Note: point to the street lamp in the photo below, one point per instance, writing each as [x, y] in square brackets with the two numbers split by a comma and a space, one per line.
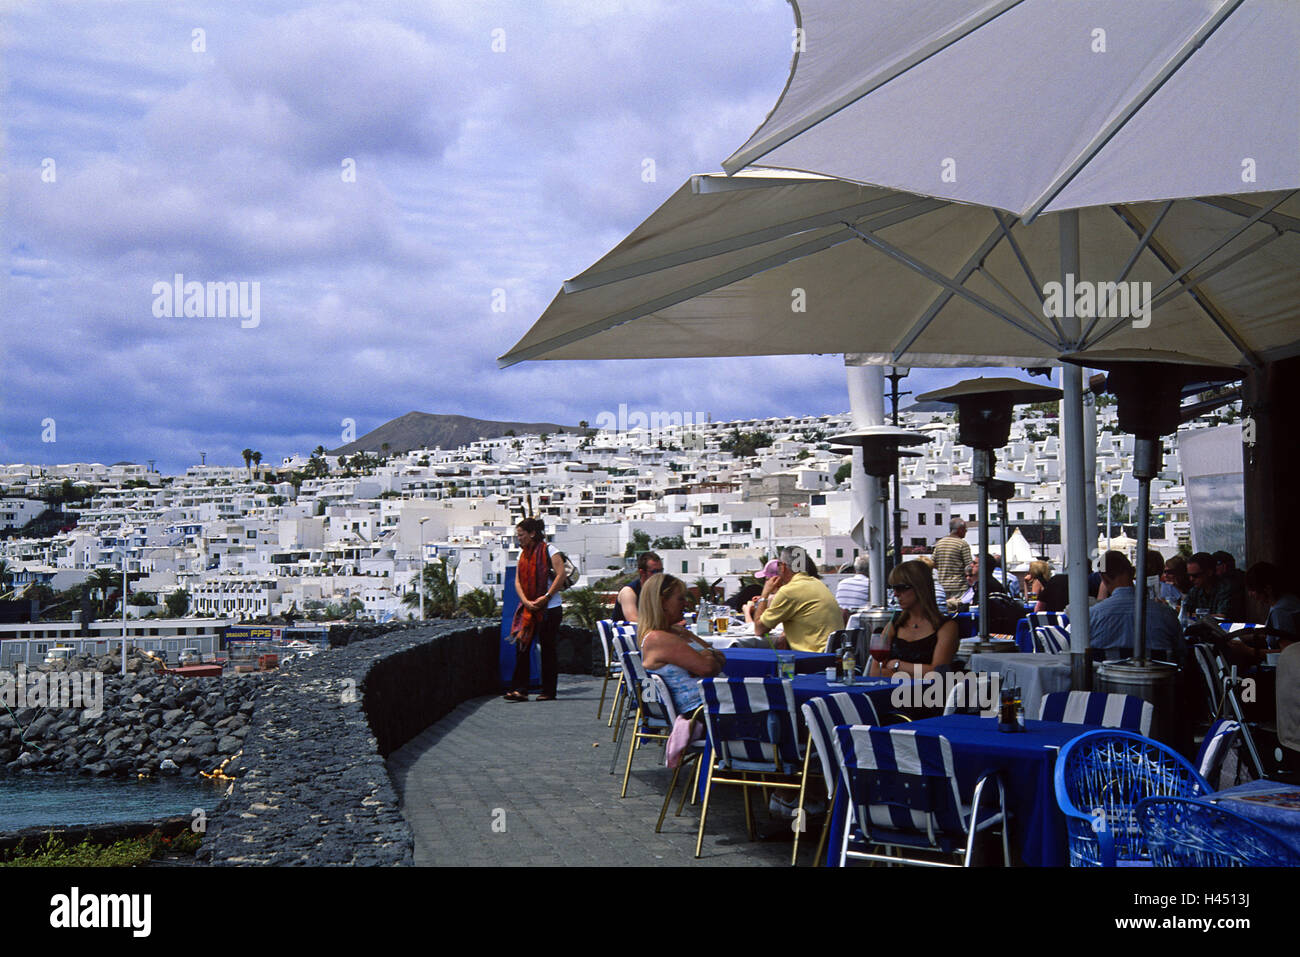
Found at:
[422, 521]
[984, 424]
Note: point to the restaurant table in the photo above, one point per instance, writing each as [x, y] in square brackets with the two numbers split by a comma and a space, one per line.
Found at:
[1034, 674]
[761, 662]
[1027, 761]
[1273, 806]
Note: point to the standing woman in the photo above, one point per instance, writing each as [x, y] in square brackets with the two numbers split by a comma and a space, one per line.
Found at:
[537, 582]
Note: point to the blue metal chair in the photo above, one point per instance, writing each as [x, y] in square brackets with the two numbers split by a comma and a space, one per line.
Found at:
[1185, 833]
[755, 737]
[903, 795]
[1098, 709]
[822, 715]
[1100, 777]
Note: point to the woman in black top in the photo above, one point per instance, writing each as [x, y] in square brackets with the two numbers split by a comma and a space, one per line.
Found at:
[921, 639]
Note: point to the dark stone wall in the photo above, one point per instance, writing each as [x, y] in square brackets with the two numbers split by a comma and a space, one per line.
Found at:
[311, 785]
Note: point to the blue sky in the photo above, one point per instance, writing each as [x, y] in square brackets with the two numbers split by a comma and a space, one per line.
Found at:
[135, 148]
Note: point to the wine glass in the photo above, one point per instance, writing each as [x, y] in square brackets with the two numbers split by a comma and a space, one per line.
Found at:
[879, 647]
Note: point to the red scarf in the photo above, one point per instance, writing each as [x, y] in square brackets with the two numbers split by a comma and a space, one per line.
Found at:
[533, 575]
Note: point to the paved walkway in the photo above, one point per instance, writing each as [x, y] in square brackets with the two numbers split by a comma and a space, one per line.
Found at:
[541, 771]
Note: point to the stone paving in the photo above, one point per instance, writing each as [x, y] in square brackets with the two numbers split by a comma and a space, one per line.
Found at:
[498, 783]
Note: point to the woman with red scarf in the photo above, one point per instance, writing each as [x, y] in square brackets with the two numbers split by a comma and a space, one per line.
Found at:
[537, 581]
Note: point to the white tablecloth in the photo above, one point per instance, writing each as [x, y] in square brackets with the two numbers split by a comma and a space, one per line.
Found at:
[1034, 674]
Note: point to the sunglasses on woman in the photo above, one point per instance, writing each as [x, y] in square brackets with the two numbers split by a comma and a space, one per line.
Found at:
[899, 589]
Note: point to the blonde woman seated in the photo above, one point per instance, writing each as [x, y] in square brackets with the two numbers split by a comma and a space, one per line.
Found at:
[667, 648]
[1036, 579]
[921, 639]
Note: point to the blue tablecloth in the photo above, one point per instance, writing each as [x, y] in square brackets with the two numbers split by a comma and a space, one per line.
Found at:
[1027, 762]
[761, 662]
[1281, 816]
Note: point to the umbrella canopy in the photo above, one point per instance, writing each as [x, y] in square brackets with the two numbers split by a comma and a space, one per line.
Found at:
[766, 264]
[1034, 106]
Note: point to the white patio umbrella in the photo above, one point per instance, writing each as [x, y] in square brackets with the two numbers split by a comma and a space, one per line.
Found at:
[1167, 139]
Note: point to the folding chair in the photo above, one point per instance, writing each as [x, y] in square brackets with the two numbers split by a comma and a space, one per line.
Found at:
[822, 715]
[903, 795]
[1186, 833]
[649, 718]
[613, 667]
[753, 733]
[1219, 760]
[966, 695]
[1100, 778]
[1051, 639]
[657, 687]
[623, 637]
[1097, 708]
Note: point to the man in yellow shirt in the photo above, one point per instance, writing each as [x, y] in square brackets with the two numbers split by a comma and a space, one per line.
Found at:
[802, 603]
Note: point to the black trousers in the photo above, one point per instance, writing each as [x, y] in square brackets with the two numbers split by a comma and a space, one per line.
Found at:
[546, 637]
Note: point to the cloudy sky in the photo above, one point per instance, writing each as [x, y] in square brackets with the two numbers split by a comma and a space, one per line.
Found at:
[378, 169]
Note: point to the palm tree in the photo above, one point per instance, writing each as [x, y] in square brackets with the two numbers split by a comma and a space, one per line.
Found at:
[257, 458]
[104, 581]
[248, 461]
[479, 603]
[439, 592]
[584, 607]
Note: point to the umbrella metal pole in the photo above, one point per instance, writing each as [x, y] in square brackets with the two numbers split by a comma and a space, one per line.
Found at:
[1072, 446]
[1002, 520]
[1146, 464]
[982, 472]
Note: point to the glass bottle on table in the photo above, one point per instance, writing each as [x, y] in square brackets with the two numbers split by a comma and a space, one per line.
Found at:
[848, 663]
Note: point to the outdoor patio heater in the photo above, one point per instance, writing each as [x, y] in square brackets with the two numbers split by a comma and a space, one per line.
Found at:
[882, 447]
[984, 424]
[1148, 385]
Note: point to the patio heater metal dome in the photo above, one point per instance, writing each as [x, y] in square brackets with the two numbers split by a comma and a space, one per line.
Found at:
[882, 447]
[1148, 385]
[984, 424]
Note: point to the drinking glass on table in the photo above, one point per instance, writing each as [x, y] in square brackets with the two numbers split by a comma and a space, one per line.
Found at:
[784, 665]
[720, 623]
[879, 648]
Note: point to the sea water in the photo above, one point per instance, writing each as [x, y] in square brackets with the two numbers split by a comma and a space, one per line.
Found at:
[43, 800]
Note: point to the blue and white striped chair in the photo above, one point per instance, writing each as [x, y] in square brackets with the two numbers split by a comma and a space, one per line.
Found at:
[656, 688]
[903, 795]
[1122, 711]
[622, 637]
[973, 694]
[822, 715]
[613, 664]
[754, 734]
[1051, 639]
[1223, 741]
[1056, 619]
[646, 712]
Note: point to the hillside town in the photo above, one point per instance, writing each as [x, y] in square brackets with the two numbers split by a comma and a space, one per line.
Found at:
[329, 536]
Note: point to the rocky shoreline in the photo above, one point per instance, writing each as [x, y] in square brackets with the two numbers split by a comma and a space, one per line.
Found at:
[151, 724]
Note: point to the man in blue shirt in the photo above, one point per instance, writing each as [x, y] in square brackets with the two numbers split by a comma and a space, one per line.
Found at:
[1110, 621]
